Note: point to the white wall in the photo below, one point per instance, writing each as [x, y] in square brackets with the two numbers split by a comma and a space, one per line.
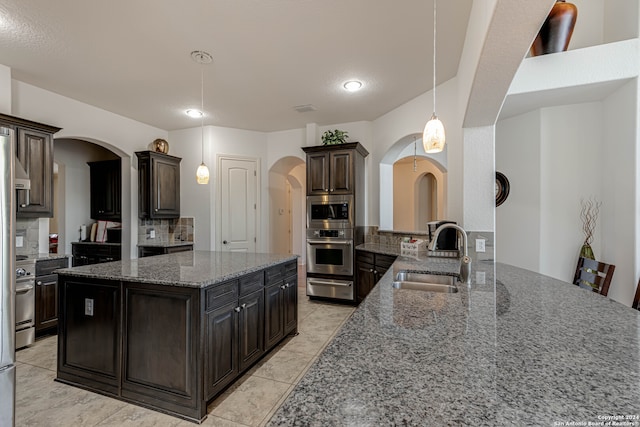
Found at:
[571, 151]
[621, 190]
[518, 218]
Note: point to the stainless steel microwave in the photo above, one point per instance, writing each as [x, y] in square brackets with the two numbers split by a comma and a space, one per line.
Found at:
[329, 211]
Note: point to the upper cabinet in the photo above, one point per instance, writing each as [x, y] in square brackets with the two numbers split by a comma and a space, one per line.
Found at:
[159, 185]
[34, 150]
[106, 190]
[333, 169]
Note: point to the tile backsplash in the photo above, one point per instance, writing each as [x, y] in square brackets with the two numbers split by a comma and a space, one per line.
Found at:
[28, 229]
[166, 230]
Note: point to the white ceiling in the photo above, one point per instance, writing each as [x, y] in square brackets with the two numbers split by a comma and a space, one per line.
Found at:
[132, 57]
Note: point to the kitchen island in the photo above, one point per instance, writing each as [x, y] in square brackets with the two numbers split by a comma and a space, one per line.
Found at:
[170, 332]
[512, 348]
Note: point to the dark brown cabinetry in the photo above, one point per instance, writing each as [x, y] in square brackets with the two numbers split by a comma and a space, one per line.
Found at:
[281, 301]
[159, 185]
[370, 267]
[172, 348]
[86, 253]
[235, 330]
[47, 293]
[34, 150]
[144, 251]
[333, 169]
[106, 189]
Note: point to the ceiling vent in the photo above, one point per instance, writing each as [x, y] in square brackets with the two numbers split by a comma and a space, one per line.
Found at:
[305, 108]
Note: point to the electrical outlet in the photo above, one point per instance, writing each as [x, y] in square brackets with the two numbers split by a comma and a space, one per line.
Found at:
[480, 245]
[88, 307]
[480, 278]
[152, 234]
[19, 241]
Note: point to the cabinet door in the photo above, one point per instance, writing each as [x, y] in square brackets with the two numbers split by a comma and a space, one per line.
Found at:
[46, 302]
[105, 190]
[251, 328]
[341, 172]
[35, 152]
[383, 262]
[165, 188]
[290, 295]
[366, 279]
[274, 315]
[222, 348]
[317, 173]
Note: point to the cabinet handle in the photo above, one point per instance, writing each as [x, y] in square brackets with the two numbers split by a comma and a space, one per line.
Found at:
[333, 189]
[244, 306]
[326, 189]
[371, 270]
[39, 283]
[156, 209]
[237, 309]
[23, 205]
[375, 272]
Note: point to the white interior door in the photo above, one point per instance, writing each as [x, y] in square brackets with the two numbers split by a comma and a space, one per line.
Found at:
[238, 205]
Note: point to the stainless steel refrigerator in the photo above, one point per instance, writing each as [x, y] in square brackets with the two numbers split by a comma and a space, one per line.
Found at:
[7, 290]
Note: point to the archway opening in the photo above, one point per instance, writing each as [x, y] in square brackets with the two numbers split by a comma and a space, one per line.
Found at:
[418, 196]
[287, 197]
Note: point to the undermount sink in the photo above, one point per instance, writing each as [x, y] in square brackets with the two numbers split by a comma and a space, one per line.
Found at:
[426, 282]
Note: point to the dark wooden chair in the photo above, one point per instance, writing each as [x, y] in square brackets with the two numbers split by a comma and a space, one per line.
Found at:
[636, 299]
[595, 275]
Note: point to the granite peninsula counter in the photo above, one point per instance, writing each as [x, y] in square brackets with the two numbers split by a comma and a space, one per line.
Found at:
[170, 332]
[524, 349]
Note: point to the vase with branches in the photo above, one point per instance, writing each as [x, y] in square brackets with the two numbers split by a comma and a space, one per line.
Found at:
[589, 216]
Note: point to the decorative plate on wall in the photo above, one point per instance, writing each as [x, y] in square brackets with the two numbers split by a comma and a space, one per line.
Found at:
[502, 188]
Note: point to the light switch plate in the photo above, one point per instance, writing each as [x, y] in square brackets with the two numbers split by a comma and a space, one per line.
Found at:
[480, 245]
[19, 241]
[152, 234]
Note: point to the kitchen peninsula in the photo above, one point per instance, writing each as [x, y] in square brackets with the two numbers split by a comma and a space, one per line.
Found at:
[512, 348]
[170, 332]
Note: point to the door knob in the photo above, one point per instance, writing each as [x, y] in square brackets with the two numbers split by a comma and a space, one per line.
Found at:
[224, 242]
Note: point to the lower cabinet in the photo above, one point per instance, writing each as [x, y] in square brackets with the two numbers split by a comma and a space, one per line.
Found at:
[144, 251]
[281, 302]
[172, 348]
[46, 304]
[235, 330]
[370, 267]
[87, 253]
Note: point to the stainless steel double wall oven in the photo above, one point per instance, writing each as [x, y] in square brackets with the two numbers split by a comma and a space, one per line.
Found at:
[334, 219]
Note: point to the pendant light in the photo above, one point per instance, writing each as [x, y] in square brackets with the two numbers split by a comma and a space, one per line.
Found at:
[202, 58]
[433, 137]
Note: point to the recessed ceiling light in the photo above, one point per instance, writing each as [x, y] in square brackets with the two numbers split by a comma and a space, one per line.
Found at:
[352, 85]
[196, 114]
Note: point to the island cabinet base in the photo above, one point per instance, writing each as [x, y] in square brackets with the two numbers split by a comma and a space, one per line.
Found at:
[168, 348]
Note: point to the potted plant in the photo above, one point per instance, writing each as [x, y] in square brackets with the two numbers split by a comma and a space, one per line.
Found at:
[334, 137]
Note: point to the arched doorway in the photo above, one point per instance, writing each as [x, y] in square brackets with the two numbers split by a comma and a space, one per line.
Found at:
[287, 196]
[419, 195]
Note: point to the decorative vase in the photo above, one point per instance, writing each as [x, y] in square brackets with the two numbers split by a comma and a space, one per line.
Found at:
[555, 33]
[160, 145]
[586, 251]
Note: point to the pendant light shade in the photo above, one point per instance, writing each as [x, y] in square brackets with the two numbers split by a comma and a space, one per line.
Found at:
[433, 137]
[202, 58]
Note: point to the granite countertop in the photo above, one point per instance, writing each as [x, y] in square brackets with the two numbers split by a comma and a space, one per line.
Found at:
[524, 349]
[196, 269]
[165, 244]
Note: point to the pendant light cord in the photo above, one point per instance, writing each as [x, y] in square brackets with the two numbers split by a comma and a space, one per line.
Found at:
[202, 109]
[434, 56]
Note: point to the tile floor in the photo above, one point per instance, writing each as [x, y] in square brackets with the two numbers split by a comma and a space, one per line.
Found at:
[250, 401]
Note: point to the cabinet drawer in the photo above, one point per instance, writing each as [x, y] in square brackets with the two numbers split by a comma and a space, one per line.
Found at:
[363, 256]
[274, 275]
[290, 268]
[251, 283]
[384, 261]
[48, 266]
[221, 294]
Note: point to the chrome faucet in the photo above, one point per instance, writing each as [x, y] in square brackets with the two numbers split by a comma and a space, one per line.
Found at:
[465, 261]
